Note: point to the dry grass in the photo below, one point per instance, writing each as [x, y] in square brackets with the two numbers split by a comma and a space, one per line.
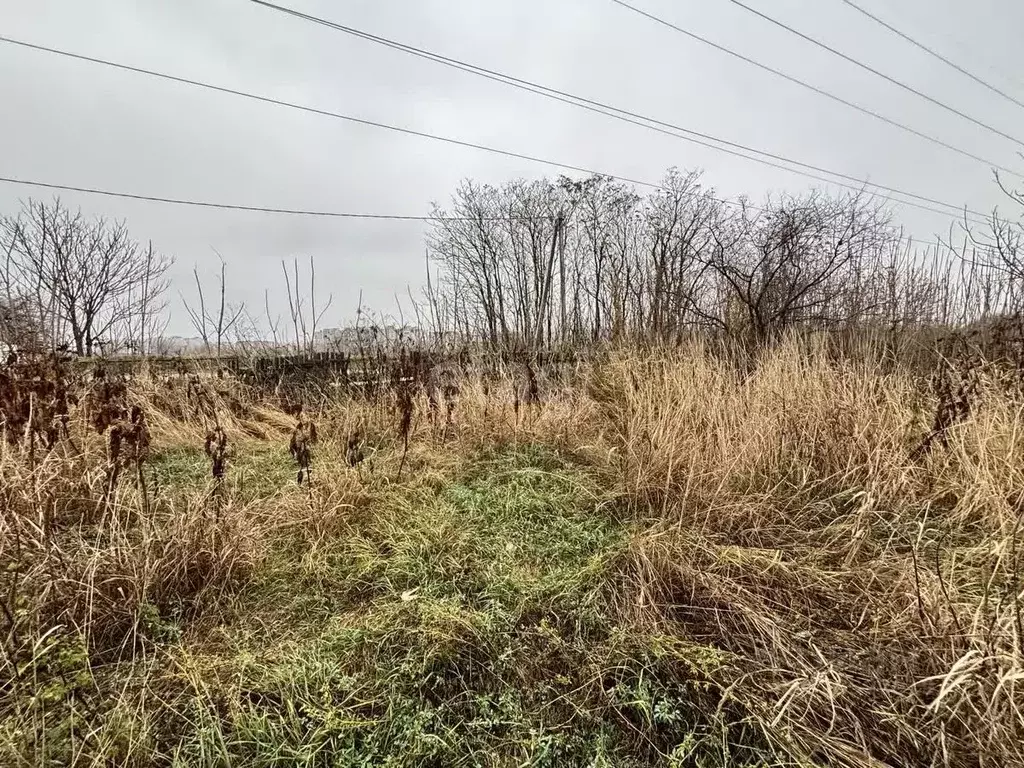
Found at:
[871, 605]
[719, 567]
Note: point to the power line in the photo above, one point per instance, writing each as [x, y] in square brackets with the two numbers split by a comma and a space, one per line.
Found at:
[204, 204]
[298, 211]
[323, 112]
[234, 207]
[375, 124]
[872, 70]
[932, 52]
[614, 112]
[816, 89]
[967, 50]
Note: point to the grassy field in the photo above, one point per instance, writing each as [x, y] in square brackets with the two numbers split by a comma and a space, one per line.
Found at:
[665, 562]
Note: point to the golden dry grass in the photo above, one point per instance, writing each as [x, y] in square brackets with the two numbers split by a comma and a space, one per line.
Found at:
[871, 605]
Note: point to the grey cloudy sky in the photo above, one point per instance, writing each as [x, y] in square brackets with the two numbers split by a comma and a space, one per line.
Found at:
[80, 124]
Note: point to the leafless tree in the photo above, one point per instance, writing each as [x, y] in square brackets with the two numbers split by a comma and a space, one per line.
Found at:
[20, 324]
[302, 308]
[500, 247]
[798, 260]
[1000, 247]
[86, 277]
[216, 322]
[599, 207]
[149, 318]
[681, 220]
[466, 241]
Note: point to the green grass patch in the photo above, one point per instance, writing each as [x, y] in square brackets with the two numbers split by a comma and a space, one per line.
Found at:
[467, 625]
[258, 470]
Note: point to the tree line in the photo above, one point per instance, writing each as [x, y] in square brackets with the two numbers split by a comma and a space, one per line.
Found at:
[550, 262]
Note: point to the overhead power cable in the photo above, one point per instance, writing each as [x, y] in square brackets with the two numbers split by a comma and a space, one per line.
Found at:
[985, 60]
[876, 72]
[376, 124]
[206, 204]
[932, 52]
[299, 211]
[819, 91]
[323, 112]
[236, 207]
[643, 121]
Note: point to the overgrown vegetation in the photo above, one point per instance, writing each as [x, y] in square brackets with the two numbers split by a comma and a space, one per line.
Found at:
[657, 558]
[652, 482]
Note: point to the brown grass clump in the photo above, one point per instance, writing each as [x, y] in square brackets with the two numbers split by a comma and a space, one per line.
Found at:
[134, 586]
[442, 392]
[86, 555]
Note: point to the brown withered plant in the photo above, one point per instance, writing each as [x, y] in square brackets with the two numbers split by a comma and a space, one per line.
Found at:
[218, 451]
[35, 398]
[216, 448]
[128, 444]
[956, 386]
[404, 393]
[300, 447]
[442, 389]
[354, 454]
[527, 391]
[107, 400]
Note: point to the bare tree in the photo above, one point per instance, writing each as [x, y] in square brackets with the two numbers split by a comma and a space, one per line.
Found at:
[1001, 248]
[151, 320]
[19, 324]
[469, 245]
[273, 322]
[588, 261]
[796, 261]
[86, 277]
[501, 250]
[302, 309]
[681, 219]
[208, 321]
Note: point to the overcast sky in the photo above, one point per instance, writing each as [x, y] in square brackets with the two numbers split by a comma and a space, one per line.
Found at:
[74, 123]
